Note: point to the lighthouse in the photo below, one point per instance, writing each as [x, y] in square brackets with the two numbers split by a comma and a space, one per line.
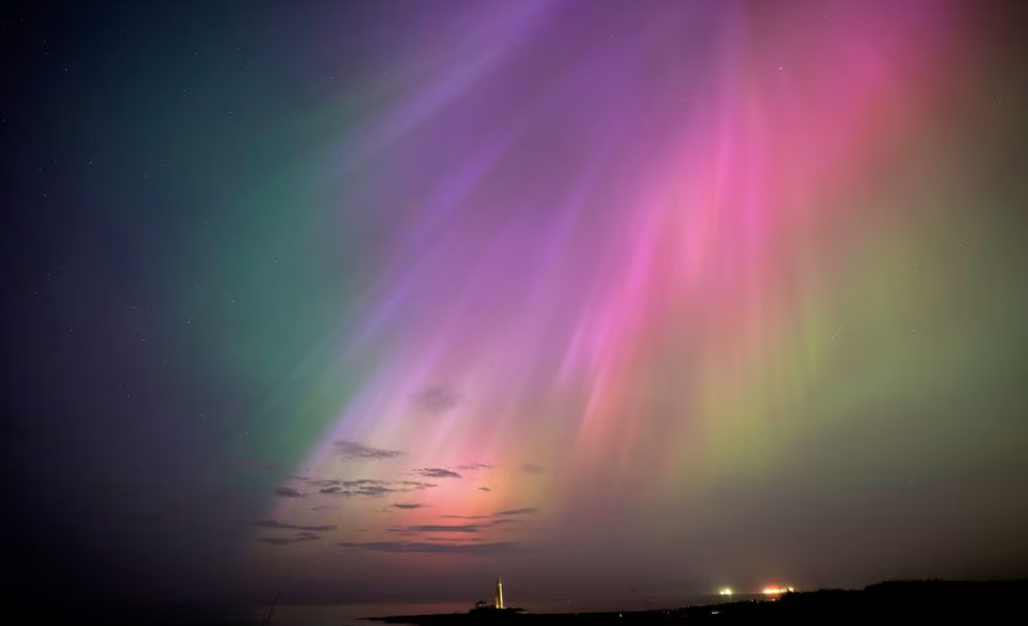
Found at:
[498, 599]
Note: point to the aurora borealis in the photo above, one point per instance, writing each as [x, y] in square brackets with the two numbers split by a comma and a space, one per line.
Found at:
[619, 300]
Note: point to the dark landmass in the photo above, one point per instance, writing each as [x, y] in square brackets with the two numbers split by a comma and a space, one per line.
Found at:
[902, 602]
[889, 602]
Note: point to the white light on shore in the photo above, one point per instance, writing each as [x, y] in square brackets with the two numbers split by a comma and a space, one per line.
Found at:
[725, 591]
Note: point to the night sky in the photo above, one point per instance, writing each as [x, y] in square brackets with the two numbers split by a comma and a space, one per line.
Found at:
[378, 300]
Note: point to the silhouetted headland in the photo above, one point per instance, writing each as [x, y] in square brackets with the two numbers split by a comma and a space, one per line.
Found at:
[892, 602]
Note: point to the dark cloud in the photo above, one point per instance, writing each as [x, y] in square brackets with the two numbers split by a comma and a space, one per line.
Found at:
[373, 491]
[507, 513]
[288, 492]
[373, 488]
[451, 528]
[435, 399]
[283, 526]
[484, 549]
[442, 528]
[401, 505]
[364, 492]
[324, 483]
[282, 541]
[437, 472]
[474, 466]
[484, 489]
[532, 468]
[405, 533]
[354, 450]
[416, 485]
[518, 512]
[360, 482]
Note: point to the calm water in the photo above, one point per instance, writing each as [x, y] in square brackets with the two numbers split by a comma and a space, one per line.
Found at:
[350, 614]
[285, 614]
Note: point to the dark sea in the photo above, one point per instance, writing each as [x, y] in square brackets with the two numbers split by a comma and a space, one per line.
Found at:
[284, 615]
[351, 614]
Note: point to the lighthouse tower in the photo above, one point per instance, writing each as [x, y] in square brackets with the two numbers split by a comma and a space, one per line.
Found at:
[498, 599]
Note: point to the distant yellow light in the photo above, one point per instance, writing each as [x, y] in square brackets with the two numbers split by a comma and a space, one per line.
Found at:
[726, 591]
[775, 591]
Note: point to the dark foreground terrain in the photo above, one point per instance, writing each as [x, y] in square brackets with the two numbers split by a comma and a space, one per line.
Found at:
[906, 602]
[903, 602]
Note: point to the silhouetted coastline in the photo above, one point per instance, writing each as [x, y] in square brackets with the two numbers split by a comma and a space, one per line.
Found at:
[902, 602]
[895, 601]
